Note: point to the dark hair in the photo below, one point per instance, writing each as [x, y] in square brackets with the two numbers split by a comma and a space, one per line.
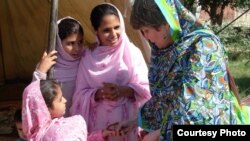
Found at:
[99, 12]
[69, 26]
[18, 115]
[48, 89]
[146, 13]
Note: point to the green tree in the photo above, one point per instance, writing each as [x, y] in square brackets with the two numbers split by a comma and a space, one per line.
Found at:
[215, 8]
[242, 3]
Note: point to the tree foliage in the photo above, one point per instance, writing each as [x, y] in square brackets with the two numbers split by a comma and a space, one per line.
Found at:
[215, 8]
[242, 3]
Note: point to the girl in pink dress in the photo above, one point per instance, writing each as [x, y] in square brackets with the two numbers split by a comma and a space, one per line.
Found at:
[112, 82]
[42, 115]
[65, 58]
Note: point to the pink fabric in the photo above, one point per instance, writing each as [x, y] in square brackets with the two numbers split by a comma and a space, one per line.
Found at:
[96, 136]
[66, 66]
[38, 125]
[65, 70]
[122, 64]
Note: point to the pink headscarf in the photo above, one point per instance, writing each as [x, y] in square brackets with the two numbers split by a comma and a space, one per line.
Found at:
[122, 64]
[37, 123]
[66, 66]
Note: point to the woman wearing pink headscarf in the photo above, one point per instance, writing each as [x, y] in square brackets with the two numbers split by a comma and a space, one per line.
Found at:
[69, 49]
[112, 82]
[42, 116]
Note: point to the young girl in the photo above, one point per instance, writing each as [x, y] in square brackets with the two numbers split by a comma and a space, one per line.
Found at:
[69, 48]
[112, 78]
[42, 115]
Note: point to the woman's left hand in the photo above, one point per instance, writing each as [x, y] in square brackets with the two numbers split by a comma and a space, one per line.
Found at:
[152, 136]
[111, 91]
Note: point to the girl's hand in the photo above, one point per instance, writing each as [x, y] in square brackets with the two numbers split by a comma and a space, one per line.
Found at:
[47, 61]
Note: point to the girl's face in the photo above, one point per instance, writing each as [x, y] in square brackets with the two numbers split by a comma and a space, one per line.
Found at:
[109, 30]
[73, 45]
[58, 105]
[160, 36]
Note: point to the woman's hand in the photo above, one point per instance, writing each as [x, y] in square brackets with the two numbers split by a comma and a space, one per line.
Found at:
[108, 91]
[113, 92]
[123, 127]
[106, 133]
[47, 61]
[92, 46]
[152, 136]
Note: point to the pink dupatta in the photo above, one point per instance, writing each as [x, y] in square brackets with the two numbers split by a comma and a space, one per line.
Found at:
[38, 125]
[122, 64]
[66, 66]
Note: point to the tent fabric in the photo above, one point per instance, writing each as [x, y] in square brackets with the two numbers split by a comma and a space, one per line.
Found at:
[24, 28]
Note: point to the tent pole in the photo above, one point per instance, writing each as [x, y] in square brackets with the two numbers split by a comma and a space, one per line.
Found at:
[2, 82]
[52, 31]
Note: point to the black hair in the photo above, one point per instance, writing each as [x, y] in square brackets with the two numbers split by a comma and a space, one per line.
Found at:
[48, 89]
[69, 26]
[18, 115]
[99, 12]
[146, 13]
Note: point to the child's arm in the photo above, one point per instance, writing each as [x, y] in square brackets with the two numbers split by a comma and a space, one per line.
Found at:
[47, 61]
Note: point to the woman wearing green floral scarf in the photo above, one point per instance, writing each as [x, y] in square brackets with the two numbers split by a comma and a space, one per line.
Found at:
[189, 79]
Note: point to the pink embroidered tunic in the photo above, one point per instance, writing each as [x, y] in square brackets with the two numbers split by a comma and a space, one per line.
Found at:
[38, 125]
[122, 64]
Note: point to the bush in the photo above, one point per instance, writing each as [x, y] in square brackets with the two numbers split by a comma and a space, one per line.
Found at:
[236, 41]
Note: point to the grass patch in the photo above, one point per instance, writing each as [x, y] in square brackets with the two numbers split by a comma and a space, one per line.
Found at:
[241, 73]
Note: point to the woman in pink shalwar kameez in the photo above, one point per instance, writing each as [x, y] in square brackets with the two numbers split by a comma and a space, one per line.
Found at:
[112, 82]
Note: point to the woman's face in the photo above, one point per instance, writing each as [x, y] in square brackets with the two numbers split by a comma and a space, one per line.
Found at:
[73, 45]
[109, 30]
[160, 36]
[58, 105]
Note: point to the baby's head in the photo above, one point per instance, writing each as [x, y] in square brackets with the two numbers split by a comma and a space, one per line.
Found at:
[18, 122]
[52, 94]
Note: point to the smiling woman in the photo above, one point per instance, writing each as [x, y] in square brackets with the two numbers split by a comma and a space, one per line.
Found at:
[109, 30]
[112, 81]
